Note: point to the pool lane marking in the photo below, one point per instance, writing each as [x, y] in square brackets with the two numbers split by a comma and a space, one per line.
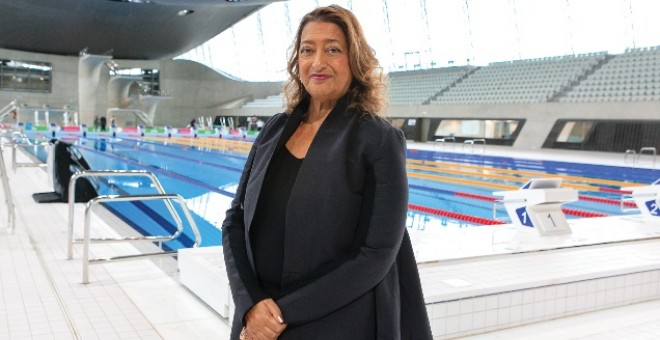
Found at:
[433, 166]
[583, 187]
[468, 218]
[439, 178]
[211, 143]
[427, 166]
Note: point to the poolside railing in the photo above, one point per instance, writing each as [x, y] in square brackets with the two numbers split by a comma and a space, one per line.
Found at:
[470, 143]
[446, 140]
[11, 209]
[631, 156]
[113, 173]
[20, 140]
[86, 240]
[649, 151]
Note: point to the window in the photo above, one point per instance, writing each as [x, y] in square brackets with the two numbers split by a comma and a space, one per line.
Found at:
[478, 128]
[26, 76]
[149, 79]
[575, 131]
[603, 135]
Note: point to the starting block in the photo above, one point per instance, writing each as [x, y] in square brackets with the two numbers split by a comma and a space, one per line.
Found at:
[537, 204]
[647, 198]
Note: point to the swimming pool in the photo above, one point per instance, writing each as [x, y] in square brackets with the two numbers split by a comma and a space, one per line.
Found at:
[446, 189]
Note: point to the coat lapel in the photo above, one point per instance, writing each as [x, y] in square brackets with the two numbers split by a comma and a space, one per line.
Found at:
[323, 164]
[330, 131]
[291, 125]
[266, 149]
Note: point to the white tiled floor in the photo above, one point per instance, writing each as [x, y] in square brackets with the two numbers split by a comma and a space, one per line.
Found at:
[638, 321]
[41, 296]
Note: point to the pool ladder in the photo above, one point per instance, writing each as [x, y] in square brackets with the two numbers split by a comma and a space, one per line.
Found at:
[470, 143]
[445, 141]
[87, 239]
[18, 139]
[9, 201]
[26, 143]
[9, 138]
[635, 157]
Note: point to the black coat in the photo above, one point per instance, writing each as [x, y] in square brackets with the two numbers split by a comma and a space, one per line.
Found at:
[349, 271]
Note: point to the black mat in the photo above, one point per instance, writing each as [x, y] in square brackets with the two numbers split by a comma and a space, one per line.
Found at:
[47, 197]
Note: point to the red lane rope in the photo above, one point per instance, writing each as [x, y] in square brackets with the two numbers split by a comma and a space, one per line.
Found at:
[606, 201]
[475, 196]
[454, 215]
[581, 213]
[615, 191]
[485, 221]
[573, 212]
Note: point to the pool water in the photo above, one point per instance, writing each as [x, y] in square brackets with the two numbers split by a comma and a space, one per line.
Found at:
[446, 189]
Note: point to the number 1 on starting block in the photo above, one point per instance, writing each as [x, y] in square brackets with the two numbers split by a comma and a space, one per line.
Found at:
[548, 219]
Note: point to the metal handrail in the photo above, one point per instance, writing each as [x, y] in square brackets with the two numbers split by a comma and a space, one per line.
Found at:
[472, 142]
[15, 164]
[647, 150]
[114, 198]
[11, 209]
[495, 204]
[443, 141]
[501, 202]
[115, 173]
[7, 109]
[632, 153]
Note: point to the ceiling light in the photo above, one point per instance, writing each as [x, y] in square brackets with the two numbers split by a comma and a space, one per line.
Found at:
[184, 12]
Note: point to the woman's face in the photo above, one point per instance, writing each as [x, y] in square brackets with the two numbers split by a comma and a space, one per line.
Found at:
[323, 61]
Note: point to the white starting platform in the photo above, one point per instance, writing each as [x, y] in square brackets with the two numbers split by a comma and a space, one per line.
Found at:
[202, 270]
[537, 204]
[647, 199]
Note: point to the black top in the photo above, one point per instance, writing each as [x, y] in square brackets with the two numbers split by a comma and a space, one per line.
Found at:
[267, 231]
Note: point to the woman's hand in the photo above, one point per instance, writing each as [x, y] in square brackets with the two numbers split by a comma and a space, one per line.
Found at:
[264, 320]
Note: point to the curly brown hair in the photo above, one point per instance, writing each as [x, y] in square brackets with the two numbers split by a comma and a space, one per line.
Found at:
[367, 92]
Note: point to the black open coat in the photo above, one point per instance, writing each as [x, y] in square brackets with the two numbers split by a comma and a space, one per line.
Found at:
[349, 270]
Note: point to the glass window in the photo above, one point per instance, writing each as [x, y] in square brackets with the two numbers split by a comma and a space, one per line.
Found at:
[574, 132]
[26, 76]
[149, 79]
[478, 128]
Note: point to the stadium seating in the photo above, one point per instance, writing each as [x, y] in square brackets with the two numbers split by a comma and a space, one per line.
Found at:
[520, 81]
[418, 87]
[631, 76]
[592, 77]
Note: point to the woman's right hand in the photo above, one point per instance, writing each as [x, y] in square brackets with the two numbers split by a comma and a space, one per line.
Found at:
[264, 320]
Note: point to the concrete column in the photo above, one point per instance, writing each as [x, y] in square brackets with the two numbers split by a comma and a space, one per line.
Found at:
[424, 129]
[91, 93]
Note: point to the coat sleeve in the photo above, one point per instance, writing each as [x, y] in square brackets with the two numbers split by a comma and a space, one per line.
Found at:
[373, 258]
[243, 282]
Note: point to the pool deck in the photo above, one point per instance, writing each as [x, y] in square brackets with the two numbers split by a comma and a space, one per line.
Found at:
[609, 290]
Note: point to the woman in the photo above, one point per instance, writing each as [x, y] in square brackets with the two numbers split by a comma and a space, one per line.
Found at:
[315, 242]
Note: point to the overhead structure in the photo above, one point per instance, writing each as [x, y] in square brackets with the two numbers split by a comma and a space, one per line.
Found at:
[125, 29]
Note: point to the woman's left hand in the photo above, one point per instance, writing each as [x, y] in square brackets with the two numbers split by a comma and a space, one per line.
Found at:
[264, 321]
